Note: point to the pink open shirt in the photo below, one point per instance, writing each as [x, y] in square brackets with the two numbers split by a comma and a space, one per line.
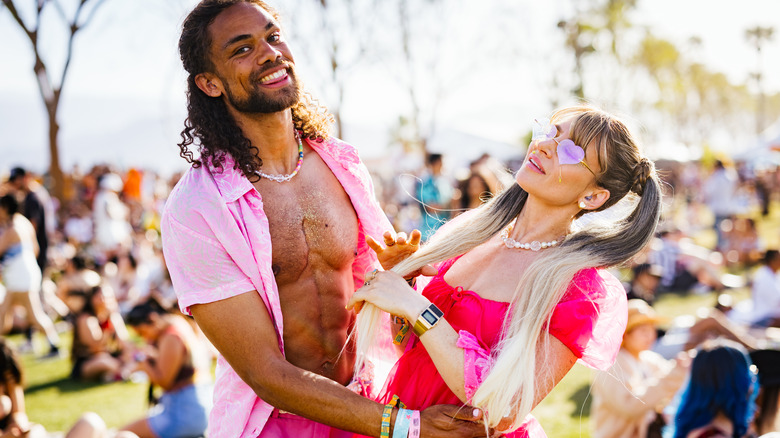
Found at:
[217, 245]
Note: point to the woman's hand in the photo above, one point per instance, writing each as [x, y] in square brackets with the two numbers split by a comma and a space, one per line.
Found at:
[395, 250]
[390, 292]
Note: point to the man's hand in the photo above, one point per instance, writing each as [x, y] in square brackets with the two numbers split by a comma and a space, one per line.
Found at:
[453, 421]
[397, 249]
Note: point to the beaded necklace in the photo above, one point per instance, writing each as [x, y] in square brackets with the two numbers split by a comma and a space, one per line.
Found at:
[284, 178]
[533, 246]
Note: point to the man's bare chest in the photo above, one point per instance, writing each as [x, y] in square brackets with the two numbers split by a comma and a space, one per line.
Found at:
[313, 227]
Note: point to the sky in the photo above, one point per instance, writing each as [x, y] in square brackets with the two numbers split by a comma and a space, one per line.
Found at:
[124, 100]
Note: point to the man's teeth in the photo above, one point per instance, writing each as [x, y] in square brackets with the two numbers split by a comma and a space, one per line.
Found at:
[272, 77]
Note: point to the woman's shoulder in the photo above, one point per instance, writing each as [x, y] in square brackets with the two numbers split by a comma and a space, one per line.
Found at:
[594, 284]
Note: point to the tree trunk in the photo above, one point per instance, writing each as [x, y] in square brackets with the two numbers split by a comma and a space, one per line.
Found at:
[58, 180]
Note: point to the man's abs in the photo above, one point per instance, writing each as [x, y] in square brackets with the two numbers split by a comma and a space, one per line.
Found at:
[314, 235]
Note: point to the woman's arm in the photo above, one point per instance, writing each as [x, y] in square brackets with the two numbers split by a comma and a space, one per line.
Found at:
[390, 293]
[170, 357]
[90, 333]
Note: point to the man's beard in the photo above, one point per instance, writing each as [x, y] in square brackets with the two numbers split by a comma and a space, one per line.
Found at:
[259, 102]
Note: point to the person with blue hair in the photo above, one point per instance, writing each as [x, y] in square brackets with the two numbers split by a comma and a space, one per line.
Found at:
[719, 398]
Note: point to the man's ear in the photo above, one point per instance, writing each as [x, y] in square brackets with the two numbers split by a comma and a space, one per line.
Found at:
[209, 84]
[594, 199]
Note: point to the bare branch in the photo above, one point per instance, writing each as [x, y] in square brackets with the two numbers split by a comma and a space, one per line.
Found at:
[74, 27]
[14, 13]
[97, 3]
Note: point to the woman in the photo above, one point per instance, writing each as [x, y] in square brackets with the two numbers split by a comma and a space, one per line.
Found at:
[173, 361]
[100, 339]
[76, 283]
[628, 398]
[13, 419]
[20, 272]
[719, 400]
[524, 294]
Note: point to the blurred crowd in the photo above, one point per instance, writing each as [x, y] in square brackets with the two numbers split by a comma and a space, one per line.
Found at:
[93, 266]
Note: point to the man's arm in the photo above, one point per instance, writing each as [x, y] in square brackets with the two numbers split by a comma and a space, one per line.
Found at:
[241, 329]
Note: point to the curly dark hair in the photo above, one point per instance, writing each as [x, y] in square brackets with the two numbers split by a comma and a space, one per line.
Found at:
[209, 126]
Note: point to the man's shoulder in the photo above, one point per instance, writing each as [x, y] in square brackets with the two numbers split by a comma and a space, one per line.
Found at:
[195, 190]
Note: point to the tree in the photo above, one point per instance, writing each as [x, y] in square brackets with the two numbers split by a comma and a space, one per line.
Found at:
[50, 84]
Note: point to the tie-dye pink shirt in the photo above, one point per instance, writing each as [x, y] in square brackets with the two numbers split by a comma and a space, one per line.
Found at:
[217, 245]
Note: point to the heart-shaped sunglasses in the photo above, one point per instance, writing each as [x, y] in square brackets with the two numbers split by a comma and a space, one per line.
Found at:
[568, 152]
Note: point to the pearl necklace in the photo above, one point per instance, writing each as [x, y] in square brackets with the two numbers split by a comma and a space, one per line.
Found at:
[284, 178]
[533, 246]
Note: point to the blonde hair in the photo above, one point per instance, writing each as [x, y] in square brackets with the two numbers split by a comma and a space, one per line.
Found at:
[509, 389]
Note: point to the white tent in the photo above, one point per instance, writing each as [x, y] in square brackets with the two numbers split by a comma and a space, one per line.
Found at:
[765, 151]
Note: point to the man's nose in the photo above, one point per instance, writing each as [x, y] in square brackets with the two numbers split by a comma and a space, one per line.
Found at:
[269, 54]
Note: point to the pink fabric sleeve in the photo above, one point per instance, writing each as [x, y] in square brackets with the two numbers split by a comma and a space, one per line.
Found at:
[591, 318]
[200, 268]
[477, 362]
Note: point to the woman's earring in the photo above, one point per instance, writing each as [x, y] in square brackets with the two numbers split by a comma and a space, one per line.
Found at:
[582, 205]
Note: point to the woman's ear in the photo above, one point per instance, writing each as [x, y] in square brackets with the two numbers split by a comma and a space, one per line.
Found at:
[209, 84]
[594, 199]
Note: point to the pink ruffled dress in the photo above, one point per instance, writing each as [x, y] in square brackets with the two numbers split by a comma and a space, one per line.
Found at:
[590, 320]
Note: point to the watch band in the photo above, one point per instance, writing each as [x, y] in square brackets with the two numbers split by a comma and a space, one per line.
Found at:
[427, 319]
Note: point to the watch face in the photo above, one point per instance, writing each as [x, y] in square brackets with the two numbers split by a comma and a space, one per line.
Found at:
[429, 316]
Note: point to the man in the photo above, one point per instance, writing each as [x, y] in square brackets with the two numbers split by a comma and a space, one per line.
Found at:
[434, 193]
[34, 199]
[264, 237]
[720, 194]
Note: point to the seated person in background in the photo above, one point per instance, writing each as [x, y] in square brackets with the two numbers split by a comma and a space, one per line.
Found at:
[645, 282]
[76, 283]
[765, 292]
[767, 418]
[689, 331]
[176, 361]
[628, 397]
[686, 266]
[100, 338]
[719, 399]
[90, 425]
[13, 419]
[743, 245]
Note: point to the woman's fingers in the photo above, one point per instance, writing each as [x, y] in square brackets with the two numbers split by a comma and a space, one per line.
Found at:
[428, 271]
